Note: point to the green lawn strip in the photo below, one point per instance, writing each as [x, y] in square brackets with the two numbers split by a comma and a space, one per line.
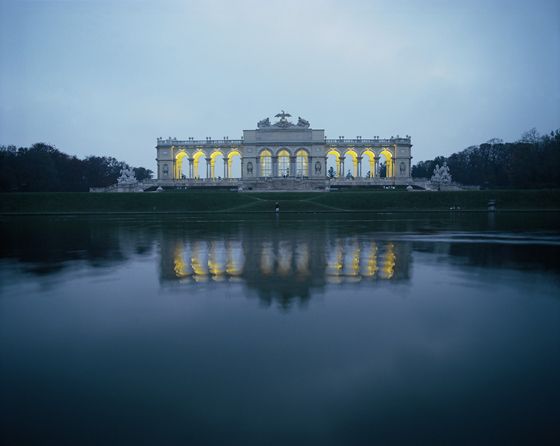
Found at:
[121, 202]
[224, 201]
[467, 200]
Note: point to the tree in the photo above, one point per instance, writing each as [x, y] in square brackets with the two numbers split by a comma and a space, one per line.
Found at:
[531, 162]
[142, 173]
[43, 167]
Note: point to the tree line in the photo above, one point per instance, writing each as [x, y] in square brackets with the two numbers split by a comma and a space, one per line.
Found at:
[44, 168]
[531, 162]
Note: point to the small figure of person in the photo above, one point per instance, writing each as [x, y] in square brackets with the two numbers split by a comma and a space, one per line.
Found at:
[277, 207]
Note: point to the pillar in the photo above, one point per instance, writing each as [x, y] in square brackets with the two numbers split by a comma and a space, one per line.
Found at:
[274, 166]
[208, 168]
[292, 166]
[191, 161]
[226, 167]
[310, 167]
[342, 170]
[376, 169]
[359, 174]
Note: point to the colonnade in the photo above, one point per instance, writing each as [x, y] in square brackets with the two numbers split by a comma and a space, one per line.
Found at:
[351, 161]
[211, 164]
[286, 164]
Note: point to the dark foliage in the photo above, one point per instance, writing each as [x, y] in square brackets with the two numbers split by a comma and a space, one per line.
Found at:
[43, 168]
[531, 162]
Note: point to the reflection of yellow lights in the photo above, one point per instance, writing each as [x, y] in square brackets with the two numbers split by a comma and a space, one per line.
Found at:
[302, 259]
[356, 261]
[284, 260]
[389, 263]
[214, 266]
[234, 264]
[267, 259]
[179, 265]
[371, 267]
[196, 263]
[334, 267]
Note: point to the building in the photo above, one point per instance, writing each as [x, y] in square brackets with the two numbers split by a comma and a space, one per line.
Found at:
[284, 150]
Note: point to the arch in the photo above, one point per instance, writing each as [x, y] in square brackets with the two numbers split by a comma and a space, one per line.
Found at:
[389, 168]
[178, 174]
[265, 163]
[234, 169]
[196, 164]
[283, 163]
[215, 157]
[333, 162]
[352, 154]
[371, 167]
[302, 163]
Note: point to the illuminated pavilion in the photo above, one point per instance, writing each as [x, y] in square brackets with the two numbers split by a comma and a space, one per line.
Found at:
[284, 150]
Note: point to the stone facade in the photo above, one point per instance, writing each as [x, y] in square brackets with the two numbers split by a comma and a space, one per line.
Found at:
[284, 150]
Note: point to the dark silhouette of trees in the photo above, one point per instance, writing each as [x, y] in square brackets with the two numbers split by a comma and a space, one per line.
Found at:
[43, 168]
[531, 162]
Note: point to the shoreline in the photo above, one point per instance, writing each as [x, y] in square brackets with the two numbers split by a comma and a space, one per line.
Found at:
[222, 212]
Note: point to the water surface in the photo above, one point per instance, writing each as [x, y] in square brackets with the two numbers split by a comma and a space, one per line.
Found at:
[332, 330]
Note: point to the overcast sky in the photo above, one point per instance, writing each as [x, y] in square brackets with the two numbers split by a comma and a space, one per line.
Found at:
[109, 77]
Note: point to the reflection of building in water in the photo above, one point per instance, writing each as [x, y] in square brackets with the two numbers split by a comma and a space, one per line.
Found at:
[352, 260]
[202, 260]
[283, 264]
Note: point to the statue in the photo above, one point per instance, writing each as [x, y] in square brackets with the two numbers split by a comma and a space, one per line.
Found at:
[127, 176]
[250, 168]
[318, 167]
[302, 123]
[441, 175]
[263, 123]
[283, 122]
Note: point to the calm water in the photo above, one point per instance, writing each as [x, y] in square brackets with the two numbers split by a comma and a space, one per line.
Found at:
[346, 330]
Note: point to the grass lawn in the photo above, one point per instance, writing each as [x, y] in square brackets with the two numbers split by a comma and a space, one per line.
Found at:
[224, 201]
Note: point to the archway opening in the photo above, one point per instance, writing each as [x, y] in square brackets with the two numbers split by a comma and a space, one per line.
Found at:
[302, 163]
[234, 164]
[368, 164]
[386, 166]
[199, 165]
[283, 163]
[179, 174]
[333, 163]
[265, 161]
[351, 168]
[217, 168]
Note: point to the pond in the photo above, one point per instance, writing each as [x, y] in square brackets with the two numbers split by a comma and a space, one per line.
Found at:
[339, 329]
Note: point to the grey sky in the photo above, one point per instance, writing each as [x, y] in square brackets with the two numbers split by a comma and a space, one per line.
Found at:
[108, 77]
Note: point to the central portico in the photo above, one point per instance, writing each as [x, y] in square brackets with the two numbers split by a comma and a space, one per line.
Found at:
[284, 149]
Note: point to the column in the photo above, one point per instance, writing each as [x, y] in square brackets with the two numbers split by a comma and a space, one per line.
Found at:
[342, 170]
[376, 169]
[208, 168]
[274, 166]
[310, 171]
[191, 161]
[292, 166]
[359, 160]
[226, 168]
